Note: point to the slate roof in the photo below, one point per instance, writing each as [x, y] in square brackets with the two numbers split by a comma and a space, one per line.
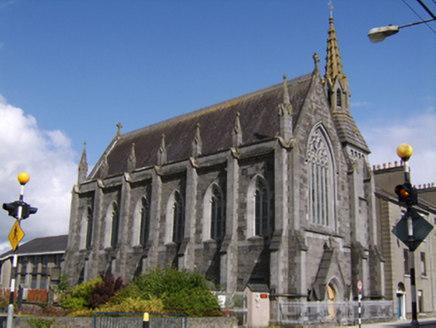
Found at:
[258, 118]
[43, 245]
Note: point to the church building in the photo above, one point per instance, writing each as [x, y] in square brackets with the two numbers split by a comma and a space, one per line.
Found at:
[273, 187]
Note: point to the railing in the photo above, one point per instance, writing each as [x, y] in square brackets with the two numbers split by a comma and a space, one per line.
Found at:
[343, 313]
[234, 304]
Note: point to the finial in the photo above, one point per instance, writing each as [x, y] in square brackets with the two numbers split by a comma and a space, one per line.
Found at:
[285, 91]
[331, 8]
[119, 128]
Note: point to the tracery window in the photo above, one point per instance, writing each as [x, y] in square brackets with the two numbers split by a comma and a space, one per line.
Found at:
[217, 214]
[320, 179]
[145, 222]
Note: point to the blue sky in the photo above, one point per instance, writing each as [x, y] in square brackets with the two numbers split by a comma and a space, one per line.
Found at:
[71, 70]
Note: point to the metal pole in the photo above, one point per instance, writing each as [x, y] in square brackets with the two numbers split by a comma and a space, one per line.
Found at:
[414, 323]
[10, 316]
[360, 309]
[12, 289]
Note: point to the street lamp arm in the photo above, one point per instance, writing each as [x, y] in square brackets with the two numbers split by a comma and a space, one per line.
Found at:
[378, 34]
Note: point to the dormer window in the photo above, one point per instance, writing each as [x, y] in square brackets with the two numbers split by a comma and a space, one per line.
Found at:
[338, 98]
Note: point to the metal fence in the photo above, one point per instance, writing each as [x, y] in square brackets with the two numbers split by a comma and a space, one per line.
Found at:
[340, 313]
[234, 304]
[135, 320]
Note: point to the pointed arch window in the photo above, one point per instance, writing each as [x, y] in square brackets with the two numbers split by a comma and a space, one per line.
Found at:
[217, 214]
[115, 224]
[145, 222]
[261, 209]
[321, 179]
[89, 225]
[178, 219]
[338, 98]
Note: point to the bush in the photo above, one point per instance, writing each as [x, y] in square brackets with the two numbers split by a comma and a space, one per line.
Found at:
[40, 323]
[77, 298]
[133, 305]
[180, 291]
[102, 291]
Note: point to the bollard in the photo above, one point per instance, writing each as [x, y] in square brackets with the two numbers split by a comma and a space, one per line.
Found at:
[146, 321]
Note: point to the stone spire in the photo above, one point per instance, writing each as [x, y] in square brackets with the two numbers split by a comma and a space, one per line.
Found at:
[83, 166]
[333, 69]
[197, 144]
[285, 114]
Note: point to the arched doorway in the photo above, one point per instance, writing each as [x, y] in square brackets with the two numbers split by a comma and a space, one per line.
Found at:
[331, 293]
[401, 295]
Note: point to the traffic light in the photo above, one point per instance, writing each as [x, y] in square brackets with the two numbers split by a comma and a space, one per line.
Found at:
[27, 210]
[12, 208]
[407, 194]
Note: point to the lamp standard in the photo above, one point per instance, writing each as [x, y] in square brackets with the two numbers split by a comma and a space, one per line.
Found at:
[378, 34]
[408, 194]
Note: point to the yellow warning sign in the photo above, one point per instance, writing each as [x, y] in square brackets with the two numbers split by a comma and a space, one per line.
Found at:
[15, 235]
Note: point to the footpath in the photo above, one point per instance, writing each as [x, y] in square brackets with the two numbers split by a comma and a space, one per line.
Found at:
[427, 323]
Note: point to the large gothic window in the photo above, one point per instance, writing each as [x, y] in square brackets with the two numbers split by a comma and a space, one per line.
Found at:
[320, 178]
[258, 210]
[89, 225]
[115, 225]
[217, 214]
[261, 209]
[178, 219]
[145, 222]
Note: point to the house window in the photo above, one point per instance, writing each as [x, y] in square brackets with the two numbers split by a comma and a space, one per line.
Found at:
[406, 261]
[217, 214]
[261, 209]
[178, 219]
[320, 177]
[420, 301]
[145, 222]
[423, 266]
[89, 223]
[115, 224]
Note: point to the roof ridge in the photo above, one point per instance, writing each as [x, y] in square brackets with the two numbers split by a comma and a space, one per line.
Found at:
[220, 104]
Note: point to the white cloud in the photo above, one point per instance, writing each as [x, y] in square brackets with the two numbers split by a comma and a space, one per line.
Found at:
[383, 138]
[48, 158]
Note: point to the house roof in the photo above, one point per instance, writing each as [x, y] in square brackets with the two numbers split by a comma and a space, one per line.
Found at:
[43, 245]
[258, 115]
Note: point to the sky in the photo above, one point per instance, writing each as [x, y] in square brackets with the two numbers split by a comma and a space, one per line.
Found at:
[71, 70]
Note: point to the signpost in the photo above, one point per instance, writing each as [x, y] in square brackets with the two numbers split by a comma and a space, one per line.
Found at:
[412, 228]
[19, 210]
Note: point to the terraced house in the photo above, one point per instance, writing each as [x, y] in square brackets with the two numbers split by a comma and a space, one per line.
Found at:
[271, 188]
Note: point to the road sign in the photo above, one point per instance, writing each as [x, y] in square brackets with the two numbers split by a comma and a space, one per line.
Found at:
[359, 285]
[421, 228]
[15, 235]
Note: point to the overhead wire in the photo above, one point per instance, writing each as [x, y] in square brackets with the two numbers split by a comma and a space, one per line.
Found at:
[410, 7]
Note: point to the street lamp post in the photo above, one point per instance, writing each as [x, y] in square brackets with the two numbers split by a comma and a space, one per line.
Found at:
[378, 34]
[405, 151]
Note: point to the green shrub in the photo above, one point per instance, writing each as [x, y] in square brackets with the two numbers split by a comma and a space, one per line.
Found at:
[77, 298]
[40, 323]
[180, 291]
[133, 305]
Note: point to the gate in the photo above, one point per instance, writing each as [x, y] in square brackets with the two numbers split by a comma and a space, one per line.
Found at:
[135, 320]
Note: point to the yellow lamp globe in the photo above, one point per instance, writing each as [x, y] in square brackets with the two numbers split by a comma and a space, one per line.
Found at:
[404, 151]
[23, 178]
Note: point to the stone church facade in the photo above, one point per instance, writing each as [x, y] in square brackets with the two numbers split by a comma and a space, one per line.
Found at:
[273, 188]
